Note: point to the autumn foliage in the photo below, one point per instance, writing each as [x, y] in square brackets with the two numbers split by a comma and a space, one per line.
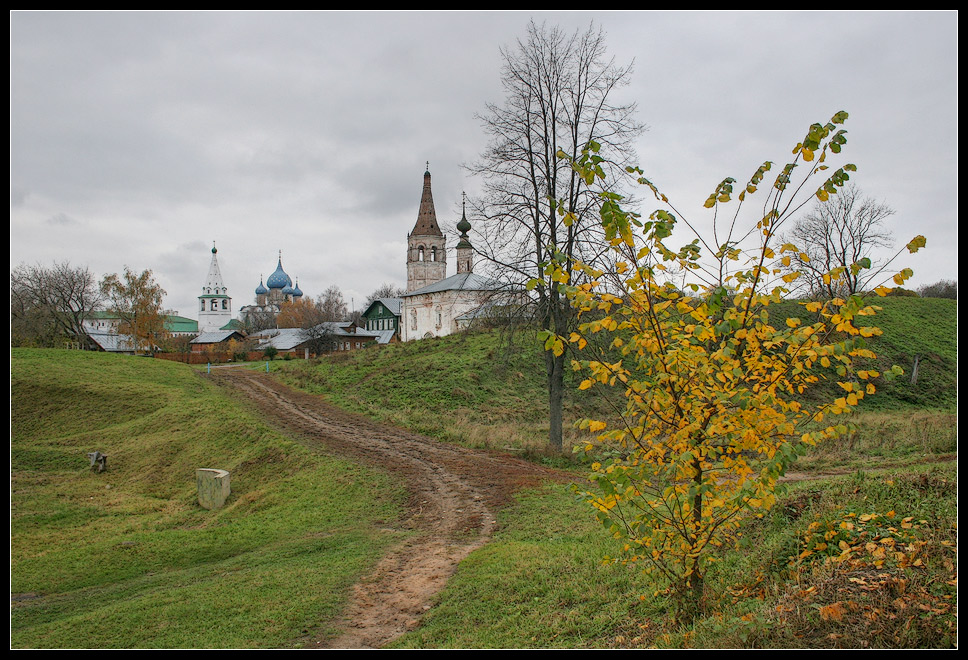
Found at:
[714, 407]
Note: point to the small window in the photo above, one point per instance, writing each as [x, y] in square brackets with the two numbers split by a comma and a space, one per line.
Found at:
[420, 253]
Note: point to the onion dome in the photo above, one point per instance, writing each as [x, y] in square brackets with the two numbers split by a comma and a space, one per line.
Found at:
[279, 279]
[463, 227]
[261, 290]
[296, 291]
[288, 290]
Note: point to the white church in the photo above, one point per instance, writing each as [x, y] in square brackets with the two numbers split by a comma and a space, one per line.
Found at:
[436, 305]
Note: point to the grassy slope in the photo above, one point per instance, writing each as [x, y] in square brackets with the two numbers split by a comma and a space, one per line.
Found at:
[541, 581]
[467, 388]
[127, 558]
[924, 327]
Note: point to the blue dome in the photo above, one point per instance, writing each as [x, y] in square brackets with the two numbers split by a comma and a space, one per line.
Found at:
[261, 290]
[288, 290]
[279, 279]
[296, 291]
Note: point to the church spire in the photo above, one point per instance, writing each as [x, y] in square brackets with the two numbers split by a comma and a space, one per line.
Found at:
[426, 216]
[214, 274]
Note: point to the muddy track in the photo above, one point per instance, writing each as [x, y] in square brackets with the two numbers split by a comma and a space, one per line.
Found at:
[454, 494]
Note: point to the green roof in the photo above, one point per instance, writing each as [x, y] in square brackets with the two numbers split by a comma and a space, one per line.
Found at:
[180, 324]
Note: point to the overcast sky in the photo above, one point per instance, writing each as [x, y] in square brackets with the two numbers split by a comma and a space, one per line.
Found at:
[138, 139]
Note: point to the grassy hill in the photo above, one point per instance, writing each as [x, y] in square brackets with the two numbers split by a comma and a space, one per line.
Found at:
[483, 390]
[926, 328]
[127, 558]
[541, 581]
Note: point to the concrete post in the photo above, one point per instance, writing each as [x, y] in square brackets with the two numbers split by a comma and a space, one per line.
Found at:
[213, 487]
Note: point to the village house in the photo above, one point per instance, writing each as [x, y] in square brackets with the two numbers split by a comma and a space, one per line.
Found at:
[383, 317]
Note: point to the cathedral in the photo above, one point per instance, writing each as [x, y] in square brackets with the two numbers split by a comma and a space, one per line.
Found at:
[269, 296]
[436, 305]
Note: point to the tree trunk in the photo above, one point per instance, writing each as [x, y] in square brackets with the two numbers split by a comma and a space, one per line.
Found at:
[556, 389]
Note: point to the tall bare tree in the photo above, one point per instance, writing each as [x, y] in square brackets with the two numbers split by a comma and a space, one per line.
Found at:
[332, 305]
[843, 232]
[49, 303]
[534, 207]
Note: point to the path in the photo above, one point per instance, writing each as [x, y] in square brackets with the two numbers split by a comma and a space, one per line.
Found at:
[454, 493]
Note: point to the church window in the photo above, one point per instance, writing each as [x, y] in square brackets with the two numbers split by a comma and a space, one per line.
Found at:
[214, 305]
[420, 253]
[225, 304]
[433, 254]
[203, 305]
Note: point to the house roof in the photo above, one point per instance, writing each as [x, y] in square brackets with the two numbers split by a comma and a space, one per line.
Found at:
[459, 282]
[214, 337]
[285, 339]
[112, 342]
[392, 304]
[384, 336]
[180, 324]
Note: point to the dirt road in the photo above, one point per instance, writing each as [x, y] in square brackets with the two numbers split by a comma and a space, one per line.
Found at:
[454, 493]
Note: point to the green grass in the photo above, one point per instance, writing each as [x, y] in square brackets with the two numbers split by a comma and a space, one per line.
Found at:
[473, 389]
[127, 558]
[922, 327]
[542, 583]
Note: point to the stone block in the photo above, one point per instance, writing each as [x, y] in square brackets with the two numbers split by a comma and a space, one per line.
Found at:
[213, 487]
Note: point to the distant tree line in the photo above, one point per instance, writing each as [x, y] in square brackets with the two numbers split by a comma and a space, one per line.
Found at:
[940, 289]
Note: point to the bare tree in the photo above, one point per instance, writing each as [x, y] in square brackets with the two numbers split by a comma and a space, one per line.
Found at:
[319, 338]
[534, 208]
[48, 304]
[940, 289]
[332, 305]
[843, 233]
[385, 290]
[257, 319]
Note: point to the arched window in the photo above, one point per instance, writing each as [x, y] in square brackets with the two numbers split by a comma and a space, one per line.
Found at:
[203, 305]
[433, 254]
[225, 304]
[214, 305]
[420, 253]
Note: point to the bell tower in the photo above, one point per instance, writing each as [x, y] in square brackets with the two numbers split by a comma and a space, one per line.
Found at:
[214, 305]
[426, 245]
